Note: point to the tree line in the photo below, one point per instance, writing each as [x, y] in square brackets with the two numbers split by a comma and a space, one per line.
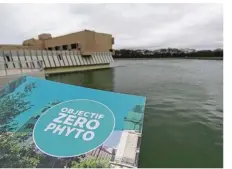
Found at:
[169, 53]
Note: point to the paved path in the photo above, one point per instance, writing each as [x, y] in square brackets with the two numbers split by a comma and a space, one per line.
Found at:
[13, 74]
[16, 71]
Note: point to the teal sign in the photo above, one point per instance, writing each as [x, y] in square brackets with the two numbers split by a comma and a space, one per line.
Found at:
[73, 128]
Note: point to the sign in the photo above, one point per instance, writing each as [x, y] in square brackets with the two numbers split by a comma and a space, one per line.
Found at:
[73, 128]
[46, 124]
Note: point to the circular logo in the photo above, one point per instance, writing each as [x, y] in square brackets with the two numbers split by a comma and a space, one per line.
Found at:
[73, 128]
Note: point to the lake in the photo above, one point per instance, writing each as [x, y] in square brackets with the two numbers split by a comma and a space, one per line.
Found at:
[183, 123]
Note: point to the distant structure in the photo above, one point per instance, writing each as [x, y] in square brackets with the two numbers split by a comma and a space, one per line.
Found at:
[86, 41]
[127, 153]
[79, 51]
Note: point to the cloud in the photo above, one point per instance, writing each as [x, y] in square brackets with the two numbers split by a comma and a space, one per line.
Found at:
[133, 25]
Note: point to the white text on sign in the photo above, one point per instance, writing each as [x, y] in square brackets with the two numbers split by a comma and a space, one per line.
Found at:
[81, 123]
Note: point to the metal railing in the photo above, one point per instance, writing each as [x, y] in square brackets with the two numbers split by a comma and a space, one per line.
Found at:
[20, 67]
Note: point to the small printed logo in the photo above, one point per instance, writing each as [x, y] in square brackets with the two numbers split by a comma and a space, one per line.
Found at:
[73, 128]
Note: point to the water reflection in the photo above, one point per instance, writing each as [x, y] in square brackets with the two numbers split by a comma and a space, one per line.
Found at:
[98, 79]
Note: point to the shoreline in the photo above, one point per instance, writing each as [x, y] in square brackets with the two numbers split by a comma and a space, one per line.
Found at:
[189, 58]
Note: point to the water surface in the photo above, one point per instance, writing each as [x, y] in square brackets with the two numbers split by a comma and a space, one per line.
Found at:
[183, 124]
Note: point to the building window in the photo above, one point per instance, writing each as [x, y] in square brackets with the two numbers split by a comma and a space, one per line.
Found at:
[49, 48]
[7, 58]
[57, 48]
[65, 47]
[32, 65]
[59, 56]
[73, 46]
[6, 65]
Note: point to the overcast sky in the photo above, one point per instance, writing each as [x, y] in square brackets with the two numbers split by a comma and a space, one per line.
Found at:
[197, 26]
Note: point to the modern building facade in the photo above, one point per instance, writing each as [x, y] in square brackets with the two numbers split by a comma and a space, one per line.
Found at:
[85, 41]
[79, 51]
[128, 150]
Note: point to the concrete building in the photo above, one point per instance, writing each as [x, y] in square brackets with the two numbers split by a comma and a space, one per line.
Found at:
[85, 41]
[79, 51]
[128, 150]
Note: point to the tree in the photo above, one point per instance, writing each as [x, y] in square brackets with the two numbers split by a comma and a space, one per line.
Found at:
[168, 53]
[10, 87]
[90, 163]
[50, 104]
[12, 105]
[47, 161]
[14, 155]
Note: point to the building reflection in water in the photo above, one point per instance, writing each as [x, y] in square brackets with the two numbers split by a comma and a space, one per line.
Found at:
[98, 79]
